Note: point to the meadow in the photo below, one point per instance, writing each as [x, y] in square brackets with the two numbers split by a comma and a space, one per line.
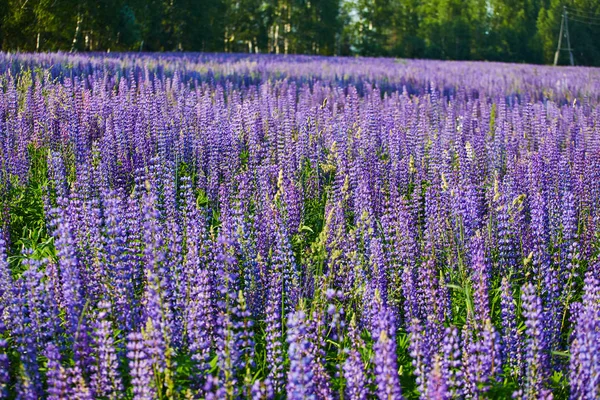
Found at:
[211, 226]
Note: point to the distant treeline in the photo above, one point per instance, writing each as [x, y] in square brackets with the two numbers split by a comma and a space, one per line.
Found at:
[500, 30]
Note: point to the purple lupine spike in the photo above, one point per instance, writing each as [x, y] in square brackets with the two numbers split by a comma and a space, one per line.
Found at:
[546, 274]
[363, 210]
[157, 309]
[433, 293]
[213, 390]
[199, 312]
[379, 269]
[88, 238]
[4, 365]
[537, 351]
[58, 175]
[25, 387]
[262, 390]
[227, 282]
[284, 258]
[480, 276]
[293, 206]
[408, 255]
[437, 385]
[175, 280]
[335, 314]
[71, 286]
[72, 292]
[452, 368]
[385, 360]
[118, 256]
[251, 281]
[43, 313]
[569, 249]
[470, 210]
[274, 314]
[54, 291]
[389, 226]
[419, 352]
[584, 368]
[315, 335]
[507, 256]
[244, 341]
[78, 388]
[300, 383]
[24, 331]
[512, 341]
[140, 368]
[56, 378]
[481, 357]
[5, 282]
[354, 367]
[492, 355]
[106, 380]
[228, 355]
[434, 213]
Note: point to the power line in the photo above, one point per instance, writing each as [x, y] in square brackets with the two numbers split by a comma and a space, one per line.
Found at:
[569, 9]
[583, 17]
[585, 22]
[576, 15]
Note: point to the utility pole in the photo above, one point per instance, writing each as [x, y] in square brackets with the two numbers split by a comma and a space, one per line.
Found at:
[564, 28]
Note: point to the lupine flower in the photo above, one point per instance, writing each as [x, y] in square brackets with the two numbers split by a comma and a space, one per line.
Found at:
[106, 380]
[72, 291]
[300, 383]
[419, 352]
[118, 256]
[78, 388]
[244, 340]
[4, 366]
[386, 367]
[213, 389]
[5, 282]
[209, 224]
[262, 390]
[24, 331]
[481, 356]
[585, 364]
[437, 386]
[513, 344]
[547, 274]
[354, 368]
[537, 356]
[481, 277]
[506, 237]
[274, 315]
[140, 367]
[315, 335]
[56, 375]
[157, 309]
[451, 369]
[199, 331]
[282, 255]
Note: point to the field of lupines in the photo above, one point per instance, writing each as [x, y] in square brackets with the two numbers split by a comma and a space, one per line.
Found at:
[268, 227]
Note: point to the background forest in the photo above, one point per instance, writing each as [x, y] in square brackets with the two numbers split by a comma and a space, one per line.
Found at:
[499, 30]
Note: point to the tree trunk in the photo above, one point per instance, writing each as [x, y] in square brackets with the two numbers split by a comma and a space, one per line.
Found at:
[77, 29]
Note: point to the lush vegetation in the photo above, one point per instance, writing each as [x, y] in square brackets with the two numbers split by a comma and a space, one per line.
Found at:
[496, 30]
[269, 227]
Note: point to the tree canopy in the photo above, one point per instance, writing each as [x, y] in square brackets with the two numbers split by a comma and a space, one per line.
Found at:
[499, 30]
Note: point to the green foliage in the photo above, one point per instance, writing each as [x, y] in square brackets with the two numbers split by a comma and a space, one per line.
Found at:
[25, 203]
[496, 30]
